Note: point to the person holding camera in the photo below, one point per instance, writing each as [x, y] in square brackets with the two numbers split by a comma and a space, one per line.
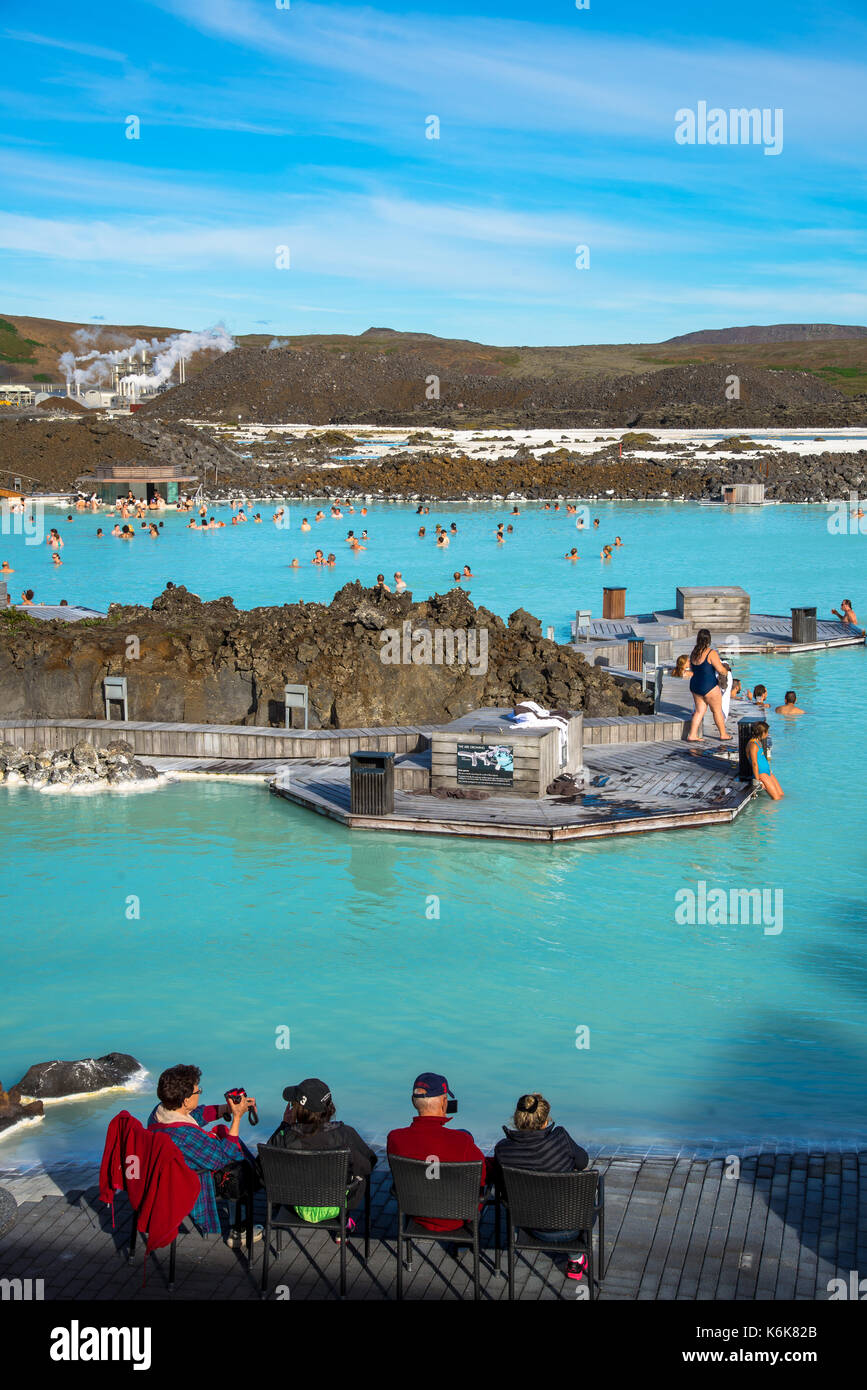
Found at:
[427, 1137]
[214, 1154]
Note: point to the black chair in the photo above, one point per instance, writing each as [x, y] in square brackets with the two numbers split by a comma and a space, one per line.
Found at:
[315, 1178]
[452, 1195]
[243, 1204]
[554, 1202]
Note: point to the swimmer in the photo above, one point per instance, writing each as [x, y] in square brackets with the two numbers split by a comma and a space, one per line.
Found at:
[501, 539]
[443, 540]
[617, 542]
[515, 512]
[116, 531]
[580, 523]
[595, 522]
[509, 529]
[320, 516]
[454, 528]
[242, 515]
[605, 552]
[457, 576]
[467, 574]
[421, 531]
[399, 584]
[305, 524]
[350, 537]
[364, 536]
[332, 560]
[318, 558]
[6, 568]
[192, 525]
[99, 533]
[55, 559]
[153, 531]
[759, 695]
[364, 511]
[26, 598]
[848, 615]
[234, 521]
[757, 754]
[355, 545]
[294, 565]
[790, 707]
[381, 584]
[547, 506]
[258, 518]
[571, 554]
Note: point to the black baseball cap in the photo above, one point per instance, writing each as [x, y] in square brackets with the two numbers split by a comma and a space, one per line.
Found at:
[313, 1094]
[430, 1083]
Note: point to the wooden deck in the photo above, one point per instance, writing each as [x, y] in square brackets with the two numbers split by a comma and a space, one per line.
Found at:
[768, 634]
[647, 786]
[677, 1226]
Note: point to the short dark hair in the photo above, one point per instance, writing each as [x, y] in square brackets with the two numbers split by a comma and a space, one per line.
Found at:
[177, 1084]
[791, 697]
[762, 688]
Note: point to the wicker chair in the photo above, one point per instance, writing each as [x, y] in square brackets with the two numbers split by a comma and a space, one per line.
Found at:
[317, 1178]
[554, 1202]
[454, 1194]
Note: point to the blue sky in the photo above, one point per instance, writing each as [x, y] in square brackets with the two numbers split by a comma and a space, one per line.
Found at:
[305, 127]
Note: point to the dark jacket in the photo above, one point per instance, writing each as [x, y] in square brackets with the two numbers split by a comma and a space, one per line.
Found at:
[334, 1135]
[550, 1150]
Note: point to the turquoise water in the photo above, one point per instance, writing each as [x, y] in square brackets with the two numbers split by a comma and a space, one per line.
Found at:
[257, 916]
[783, 555]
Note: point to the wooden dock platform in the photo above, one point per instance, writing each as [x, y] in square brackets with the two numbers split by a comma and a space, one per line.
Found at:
[768, 635]
[646, 787]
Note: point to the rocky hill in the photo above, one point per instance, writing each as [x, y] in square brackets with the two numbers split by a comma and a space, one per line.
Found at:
[774, 333]
[211, 663]
[394, 386]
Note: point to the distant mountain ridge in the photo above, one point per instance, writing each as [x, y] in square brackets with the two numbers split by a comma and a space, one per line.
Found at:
[773, 333]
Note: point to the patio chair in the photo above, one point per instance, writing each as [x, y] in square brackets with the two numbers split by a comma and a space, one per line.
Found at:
[312, 1179]
[454, 1194]
[554, 1202]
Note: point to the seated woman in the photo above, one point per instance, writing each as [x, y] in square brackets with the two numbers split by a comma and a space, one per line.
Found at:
[759, 762]
[208, 1152]
[308, 1123]
[536, 1143]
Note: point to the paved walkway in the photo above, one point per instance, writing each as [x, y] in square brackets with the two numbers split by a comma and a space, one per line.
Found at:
[677, 1227]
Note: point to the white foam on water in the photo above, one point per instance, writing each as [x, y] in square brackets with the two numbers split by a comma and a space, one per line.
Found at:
[19, 1124]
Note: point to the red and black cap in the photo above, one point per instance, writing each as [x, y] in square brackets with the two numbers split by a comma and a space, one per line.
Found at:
[430, 1083]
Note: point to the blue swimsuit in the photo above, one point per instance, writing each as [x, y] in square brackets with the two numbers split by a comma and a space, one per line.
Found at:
[762, 764]
[703, 676]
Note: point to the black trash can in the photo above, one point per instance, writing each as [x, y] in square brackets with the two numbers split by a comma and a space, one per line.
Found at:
[746, 731]
[803, 625]
[371, 784]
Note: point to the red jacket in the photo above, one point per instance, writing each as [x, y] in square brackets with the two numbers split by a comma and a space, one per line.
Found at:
[151, 1170]
[427, 1137]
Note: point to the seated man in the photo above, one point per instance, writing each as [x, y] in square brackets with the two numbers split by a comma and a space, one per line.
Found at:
[427, 1137]
[208, 1152]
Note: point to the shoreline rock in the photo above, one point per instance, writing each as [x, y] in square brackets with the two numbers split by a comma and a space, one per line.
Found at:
[57, 1080]
[68, 769]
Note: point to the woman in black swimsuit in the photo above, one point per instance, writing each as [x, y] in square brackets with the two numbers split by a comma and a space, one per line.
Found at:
[706, 694]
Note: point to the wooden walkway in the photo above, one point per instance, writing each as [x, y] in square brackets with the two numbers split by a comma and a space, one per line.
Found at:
[677, 1226]
[768, 634]
[628, 789]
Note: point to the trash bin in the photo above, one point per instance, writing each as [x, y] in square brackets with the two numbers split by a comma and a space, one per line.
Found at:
[371, 784]
[803, 625]
[635, 655]
[746, 731]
